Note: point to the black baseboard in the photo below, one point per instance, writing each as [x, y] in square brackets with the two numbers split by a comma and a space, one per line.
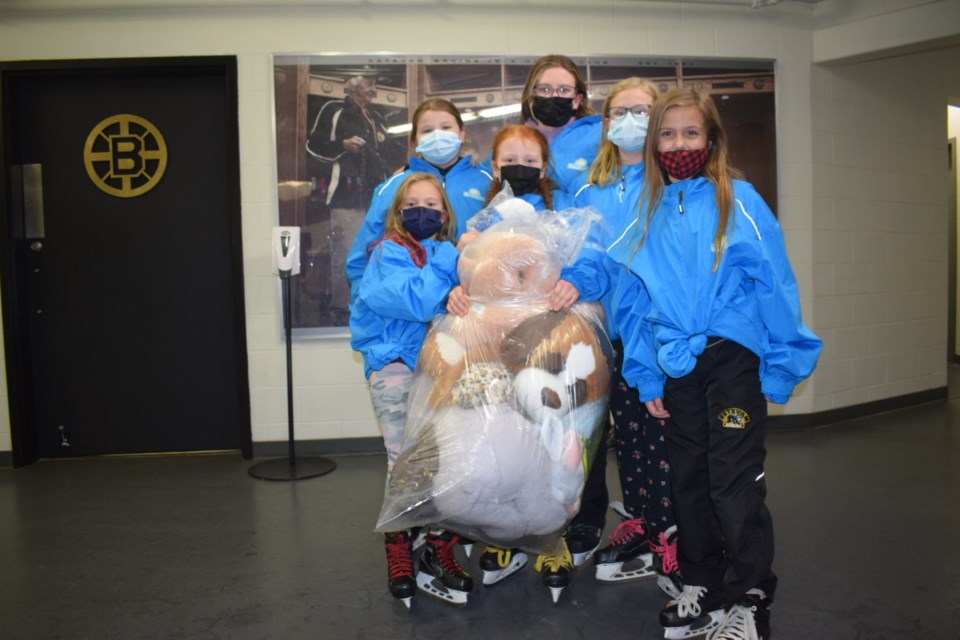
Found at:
[6, 458]
[355, 446]
[344, 446]
[822, 418]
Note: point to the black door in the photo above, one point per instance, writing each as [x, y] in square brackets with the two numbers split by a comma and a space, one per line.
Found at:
[123, 303]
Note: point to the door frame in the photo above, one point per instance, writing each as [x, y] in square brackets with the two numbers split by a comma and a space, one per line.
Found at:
[23, 427]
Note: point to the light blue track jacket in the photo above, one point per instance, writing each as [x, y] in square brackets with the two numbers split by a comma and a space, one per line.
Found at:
[466, 187]
[395, 301]
[619, 203]
[573, 151]
[680, 301]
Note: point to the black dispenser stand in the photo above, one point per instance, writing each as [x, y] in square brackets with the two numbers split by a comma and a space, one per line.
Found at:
[292, 468]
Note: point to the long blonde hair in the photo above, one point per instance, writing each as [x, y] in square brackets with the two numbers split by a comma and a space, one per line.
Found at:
[717, 169]
[606, 166]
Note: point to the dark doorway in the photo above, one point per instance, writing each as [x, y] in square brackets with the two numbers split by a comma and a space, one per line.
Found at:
[123, 285]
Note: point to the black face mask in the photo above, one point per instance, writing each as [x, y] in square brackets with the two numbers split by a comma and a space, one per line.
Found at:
[553, 112]
[421, 222]
[522, 179]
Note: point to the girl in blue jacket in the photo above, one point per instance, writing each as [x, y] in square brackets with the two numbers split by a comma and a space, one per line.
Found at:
[436, 141]
[520, 158]
[554, 102]
[712, 332]
[614, 187]
[411, 269]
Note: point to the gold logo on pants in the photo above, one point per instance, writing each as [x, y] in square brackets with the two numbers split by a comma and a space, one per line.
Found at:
[734, 418]
[125, 156]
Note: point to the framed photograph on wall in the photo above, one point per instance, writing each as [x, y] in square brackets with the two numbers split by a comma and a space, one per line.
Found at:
[326, 176]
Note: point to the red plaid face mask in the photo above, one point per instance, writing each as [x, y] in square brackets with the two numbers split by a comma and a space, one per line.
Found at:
[683, 163]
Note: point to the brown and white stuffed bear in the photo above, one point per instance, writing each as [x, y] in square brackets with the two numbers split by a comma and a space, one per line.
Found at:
[505, 404]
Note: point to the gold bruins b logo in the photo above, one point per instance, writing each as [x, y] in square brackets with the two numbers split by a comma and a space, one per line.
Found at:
[734, 418]
[125, 156]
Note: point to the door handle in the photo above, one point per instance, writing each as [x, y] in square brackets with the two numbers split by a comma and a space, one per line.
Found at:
[28, 194]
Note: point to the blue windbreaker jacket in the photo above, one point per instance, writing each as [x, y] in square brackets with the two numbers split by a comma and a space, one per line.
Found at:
[680, 301]
[466, 187]
[395, 301]
[573, 151]
[619, 203]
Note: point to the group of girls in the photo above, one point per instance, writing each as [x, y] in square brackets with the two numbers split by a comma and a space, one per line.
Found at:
[701, 302]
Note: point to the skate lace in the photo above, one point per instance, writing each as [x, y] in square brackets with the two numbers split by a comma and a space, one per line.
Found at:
[627, 531]
[446, 556]
[668, 551]
[399, 559]
[503, 555]
[738, 624]
[688, 604]
[556, 562]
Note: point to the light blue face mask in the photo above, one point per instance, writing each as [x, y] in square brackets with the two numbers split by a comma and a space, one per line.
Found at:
[629, 132]
[439, 146]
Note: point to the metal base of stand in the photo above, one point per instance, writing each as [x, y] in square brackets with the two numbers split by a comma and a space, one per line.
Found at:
[300, 469]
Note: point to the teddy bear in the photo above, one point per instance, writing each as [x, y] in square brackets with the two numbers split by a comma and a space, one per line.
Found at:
[505, 403]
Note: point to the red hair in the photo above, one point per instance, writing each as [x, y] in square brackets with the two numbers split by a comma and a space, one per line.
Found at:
[526, 134]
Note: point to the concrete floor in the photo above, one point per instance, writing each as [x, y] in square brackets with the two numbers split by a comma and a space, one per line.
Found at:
[867, 515]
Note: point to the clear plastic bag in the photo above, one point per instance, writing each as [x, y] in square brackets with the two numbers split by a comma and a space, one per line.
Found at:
[506, 403]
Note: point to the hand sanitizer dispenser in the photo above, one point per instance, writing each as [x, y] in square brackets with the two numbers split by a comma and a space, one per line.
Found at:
[286, 250]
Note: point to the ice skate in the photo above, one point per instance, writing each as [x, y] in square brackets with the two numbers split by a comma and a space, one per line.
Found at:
[498, 563]
[401, 581]
[419, 537]
[467, 545]
[665, 562]
[696, 612]
[583, 540]
[440, 575]
[747, 620]
[628, 556]
[556, 570]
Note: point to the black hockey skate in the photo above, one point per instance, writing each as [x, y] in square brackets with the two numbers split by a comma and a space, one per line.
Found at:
[665, 562]
[747, 620]
[556, 569]
[696, 612]
[441, 575]
[628, 556]
[583, 540]
[498, 563]
[400, 581]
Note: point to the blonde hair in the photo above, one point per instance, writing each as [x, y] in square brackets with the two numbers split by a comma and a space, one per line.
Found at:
[606, 166]
[394, 222]
[717, 168]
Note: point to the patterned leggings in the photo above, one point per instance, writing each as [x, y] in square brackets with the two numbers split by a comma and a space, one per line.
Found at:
[389, 389]
[641, 455]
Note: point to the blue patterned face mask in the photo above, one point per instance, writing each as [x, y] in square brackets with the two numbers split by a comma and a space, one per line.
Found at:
[421, 222]
[629, 132]
[439, 146]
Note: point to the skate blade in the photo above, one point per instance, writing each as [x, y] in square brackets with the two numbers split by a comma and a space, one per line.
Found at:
[435, 589]
[407, 602]
[668, 587]
[699, 627]
[555, 593]
[468, 550]
[490, 578]
[614, 571]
